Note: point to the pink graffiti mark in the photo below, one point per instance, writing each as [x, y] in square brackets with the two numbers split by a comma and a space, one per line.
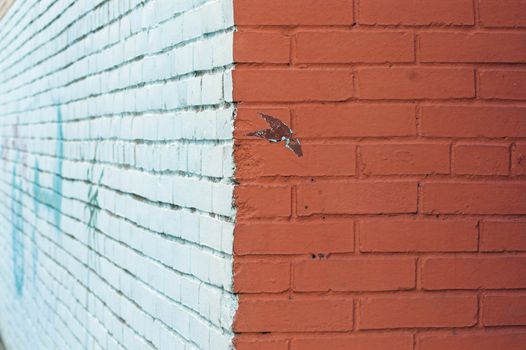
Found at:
[20, 145]
[278, 132]
[5, 149]
[6, 146]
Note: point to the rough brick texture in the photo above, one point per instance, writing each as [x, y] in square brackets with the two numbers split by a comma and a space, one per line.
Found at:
[138, 213]
[403, 225]
[116, 174]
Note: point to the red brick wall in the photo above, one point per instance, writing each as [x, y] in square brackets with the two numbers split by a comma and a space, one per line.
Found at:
[402, 227]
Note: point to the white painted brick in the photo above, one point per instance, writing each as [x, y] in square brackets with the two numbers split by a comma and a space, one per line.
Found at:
[140, 257]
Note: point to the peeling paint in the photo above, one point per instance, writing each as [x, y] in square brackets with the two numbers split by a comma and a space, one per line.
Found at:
[278, 132]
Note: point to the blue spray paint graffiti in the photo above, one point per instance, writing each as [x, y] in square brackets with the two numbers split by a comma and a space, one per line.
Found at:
[17, 231]
[51, 198]
[93, 209]
[36, 203]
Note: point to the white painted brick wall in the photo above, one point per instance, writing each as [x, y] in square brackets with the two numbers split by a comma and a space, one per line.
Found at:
[116, 174]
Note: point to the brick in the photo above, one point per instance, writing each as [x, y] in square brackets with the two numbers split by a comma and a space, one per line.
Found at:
[474, 198]
[260, 343]
[480, 340]
[415, 83]
[494, 14]
[354, 275]
[416, 158]
[261, 47]
[370, 341]
[473, 121]
[417, 311]
[134, 180]
[518, 159]
[399, 236]
[261, 276]
[294, 238]
[273, 159]
[263, 201]
[472, 47]
[355, 120]
[292, 85]
[504, 309]
[294, 315]
[499, 236]
[502, 84]
[293, 12]
[356, 198]
[353, 46]
[409, 12]
[481, 159]
[500, 272]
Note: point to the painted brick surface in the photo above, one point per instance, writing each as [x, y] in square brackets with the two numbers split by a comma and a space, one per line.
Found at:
[138, 215]
[116, 174]
[402, 226]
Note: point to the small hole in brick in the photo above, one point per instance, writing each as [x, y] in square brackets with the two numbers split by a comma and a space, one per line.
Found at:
[306, 207]
[313, 256]
[311, 180]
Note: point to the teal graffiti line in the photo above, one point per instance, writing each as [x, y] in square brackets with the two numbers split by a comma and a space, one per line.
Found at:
[36, 203]
[51, 198]
[93, 208]
[17, 230]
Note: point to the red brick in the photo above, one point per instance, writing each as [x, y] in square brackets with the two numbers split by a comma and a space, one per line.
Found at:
[497, 272]
[352, 46]
[294, 315]
[263, 201]
[357, 198]
[418, 236]
[248, 120]
[481, 159]
[293, 12]
[417, 311]
[273, 159]
[410, 12]
[315, 94]
[474, 198]
[294, 238]
[416, 158]
[479, 340]
[495, 13]
[473, 121]
[502, 236]
[261, 276]
[355, 120]
[275, 85]
[369, 341]
[260, 343]
[503, 84]
[473, 47]
[261, 47]
[518, 159]
[370, 274]
[415, 83]
[504, 309]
